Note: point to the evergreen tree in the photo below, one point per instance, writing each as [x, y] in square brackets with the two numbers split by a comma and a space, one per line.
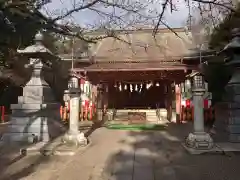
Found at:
[220, 37]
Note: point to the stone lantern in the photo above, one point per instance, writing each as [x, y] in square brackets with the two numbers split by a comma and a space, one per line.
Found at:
[232, 50]
[36, 117]
[73, 94]
[199, 139]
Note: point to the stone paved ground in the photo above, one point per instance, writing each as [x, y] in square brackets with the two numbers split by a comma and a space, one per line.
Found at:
[126, 155]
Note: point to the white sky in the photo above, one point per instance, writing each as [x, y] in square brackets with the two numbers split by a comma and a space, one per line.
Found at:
[175, 19]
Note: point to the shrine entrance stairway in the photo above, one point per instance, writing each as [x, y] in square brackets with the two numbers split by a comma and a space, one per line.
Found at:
[138, 116]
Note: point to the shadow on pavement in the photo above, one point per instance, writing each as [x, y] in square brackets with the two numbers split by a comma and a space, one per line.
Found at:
[15, 166]
[160, 155]
[95, 125]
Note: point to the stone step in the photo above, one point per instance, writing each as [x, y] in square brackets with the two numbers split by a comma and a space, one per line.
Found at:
[151, 112]
[235, 129]
[135, 110]
[151, 115]
[234, 138]
[120, 119]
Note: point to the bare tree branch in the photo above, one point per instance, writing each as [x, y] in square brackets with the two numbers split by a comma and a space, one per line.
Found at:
[215, 2]
[164, 6]
[76, 10]
[119, 14]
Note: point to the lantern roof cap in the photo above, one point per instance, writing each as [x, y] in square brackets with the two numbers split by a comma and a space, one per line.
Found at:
[37, 49]
[194, 73]
[38, 37]
[235, 42]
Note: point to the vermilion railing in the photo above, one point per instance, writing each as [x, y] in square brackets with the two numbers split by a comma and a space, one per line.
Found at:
[187, 111]
[89, 111]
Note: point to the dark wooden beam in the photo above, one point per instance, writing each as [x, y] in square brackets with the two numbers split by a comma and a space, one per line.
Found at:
[137, 76]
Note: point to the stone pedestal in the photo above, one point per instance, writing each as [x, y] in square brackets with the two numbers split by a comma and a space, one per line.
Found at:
[36, 116]
[199, 139]
[74, 136]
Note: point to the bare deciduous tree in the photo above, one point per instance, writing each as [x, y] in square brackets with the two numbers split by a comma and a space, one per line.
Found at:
[114, 14]
[203, 18]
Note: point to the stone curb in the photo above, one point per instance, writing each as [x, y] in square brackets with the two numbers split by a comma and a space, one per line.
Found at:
[192, 151]
[72, 152]
[217, 149]
[53, 151]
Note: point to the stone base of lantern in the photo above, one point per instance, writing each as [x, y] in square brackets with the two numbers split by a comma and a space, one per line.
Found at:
[77, 139]
[36, 117]
[199, 142]
[32, 123]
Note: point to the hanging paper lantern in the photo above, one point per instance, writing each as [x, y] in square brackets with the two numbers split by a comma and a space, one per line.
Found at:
[125, 87]
[157, 84]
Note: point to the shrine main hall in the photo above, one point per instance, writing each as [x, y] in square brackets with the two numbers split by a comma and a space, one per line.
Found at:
[138, 72]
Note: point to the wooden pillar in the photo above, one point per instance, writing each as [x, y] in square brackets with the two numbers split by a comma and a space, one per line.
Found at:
[100, 91]
[105, 98]
[169, 102]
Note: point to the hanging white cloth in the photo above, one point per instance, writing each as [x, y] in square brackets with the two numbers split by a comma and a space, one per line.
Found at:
[131, 88]
[87, 88]
[120, 87]
[140, 89]
[82, 82]
[148, 86]
[136, 87]
[84, 98]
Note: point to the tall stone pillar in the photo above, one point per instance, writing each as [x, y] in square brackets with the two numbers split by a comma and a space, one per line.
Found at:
[232, 50]
[199, 139]
[36, 117]
[74, 136]
[178, 102]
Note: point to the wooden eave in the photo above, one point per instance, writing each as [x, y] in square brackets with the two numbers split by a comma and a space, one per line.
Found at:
[196, 57]
[143, 66]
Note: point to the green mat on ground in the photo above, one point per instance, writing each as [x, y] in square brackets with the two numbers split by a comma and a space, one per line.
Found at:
[152, 127]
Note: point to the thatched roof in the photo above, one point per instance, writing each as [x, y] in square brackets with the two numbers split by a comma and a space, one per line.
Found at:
[141, 46]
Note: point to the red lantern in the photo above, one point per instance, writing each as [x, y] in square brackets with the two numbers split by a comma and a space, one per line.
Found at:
[205, 103]
[86, 106]
[90, 111]
[188, 103]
